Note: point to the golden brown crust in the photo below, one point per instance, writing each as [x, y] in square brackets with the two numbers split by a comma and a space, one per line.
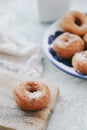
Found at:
[67, 44]
[79, 62]
[31, 95]
[85, 40]
[75, 22]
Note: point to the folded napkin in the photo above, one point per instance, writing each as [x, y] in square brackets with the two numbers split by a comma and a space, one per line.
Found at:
[20, 56]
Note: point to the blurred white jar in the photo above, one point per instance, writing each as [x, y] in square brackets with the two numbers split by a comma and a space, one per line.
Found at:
[50, 10]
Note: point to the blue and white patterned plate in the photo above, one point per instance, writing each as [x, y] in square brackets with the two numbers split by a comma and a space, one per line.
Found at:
[64, 65]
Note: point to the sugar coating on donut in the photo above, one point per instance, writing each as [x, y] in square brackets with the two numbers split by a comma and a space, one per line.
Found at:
[85, 40]
[79, 62]
[74, 22]
[81, 56]
[66, 39]
[36, 94]
[67, 44]
[31, 95]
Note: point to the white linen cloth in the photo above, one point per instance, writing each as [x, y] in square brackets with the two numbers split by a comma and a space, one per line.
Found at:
[20, 56]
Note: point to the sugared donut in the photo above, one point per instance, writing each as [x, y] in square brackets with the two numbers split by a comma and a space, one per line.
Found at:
[67, 44]
[31, 95]
[79, 62]
[75, 22]
[85, 40]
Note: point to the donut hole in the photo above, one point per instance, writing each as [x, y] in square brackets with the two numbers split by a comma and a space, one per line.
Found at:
[66, 40]
[32, 87]
[78, 21]
[32, 90]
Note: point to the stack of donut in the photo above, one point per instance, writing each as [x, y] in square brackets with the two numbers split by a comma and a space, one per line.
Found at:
[72, 44]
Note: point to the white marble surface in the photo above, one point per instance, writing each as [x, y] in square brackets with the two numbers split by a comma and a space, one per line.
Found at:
[71, 110]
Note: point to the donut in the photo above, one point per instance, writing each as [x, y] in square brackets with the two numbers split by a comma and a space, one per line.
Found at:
[85, 40]
[79, 62]
[31, 95]
[67, 44]
[74, 22]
